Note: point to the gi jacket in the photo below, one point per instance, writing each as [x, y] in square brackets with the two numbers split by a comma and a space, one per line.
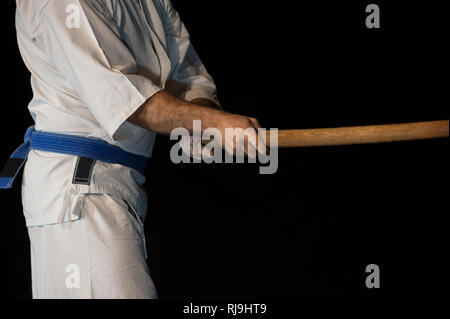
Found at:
[92, 64]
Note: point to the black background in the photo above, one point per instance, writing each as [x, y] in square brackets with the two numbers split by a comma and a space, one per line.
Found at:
[309, 230]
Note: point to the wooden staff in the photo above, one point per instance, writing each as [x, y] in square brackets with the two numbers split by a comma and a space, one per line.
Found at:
[362, 134]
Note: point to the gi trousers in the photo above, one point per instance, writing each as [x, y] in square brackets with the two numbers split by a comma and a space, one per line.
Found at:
[101, 255]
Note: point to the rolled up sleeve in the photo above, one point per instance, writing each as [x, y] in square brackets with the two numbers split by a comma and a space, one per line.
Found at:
[95, 61]
[190, 77]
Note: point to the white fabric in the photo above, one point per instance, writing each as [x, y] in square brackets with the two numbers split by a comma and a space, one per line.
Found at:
[87, 81]
[99, 256]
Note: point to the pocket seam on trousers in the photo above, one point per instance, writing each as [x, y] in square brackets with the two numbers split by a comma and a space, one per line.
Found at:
[141, 223]
[133, 211]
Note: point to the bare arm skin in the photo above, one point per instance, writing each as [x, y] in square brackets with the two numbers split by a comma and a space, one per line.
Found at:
[163, 112]
[206, 102]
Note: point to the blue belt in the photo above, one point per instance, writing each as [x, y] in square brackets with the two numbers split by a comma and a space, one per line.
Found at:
[67, 144]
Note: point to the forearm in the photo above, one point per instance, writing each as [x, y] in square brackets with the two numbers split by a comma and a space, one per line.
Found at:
[206, 102]
[163, 112]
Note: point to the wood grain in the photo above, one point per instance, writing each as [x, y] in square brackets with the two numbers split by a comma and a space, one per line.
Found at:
[362, 134]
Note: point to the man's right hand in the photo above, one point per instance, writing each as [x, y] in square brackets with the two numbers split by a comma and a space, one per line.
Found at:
[163, 112]
[246, 140]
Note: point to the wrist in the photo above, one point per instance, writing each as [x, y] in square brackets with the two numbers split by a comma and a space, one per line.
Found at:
[209, 117]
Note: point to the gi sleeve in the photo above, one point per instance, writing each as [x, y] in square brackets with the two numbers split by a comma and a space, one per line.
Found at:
[189, 77]
[95, 61]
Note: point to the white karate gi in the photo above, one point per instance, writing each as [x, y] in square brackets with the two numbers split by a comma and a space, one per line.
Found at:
[92, 64]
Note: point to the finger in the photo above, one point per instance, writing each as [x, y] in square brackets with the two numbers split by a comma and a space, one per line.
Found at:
[262, 143]
[207, 153]
[251, 145]
[255, 122]
[259, 141]
[229, 144]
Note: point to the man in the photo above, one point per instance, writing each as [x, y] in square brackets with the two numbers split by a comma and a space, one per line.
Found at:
[119, 71]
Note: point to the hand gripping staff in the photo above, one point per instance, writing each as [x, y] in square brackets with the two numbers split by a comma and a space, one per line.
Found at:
[100, 150]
